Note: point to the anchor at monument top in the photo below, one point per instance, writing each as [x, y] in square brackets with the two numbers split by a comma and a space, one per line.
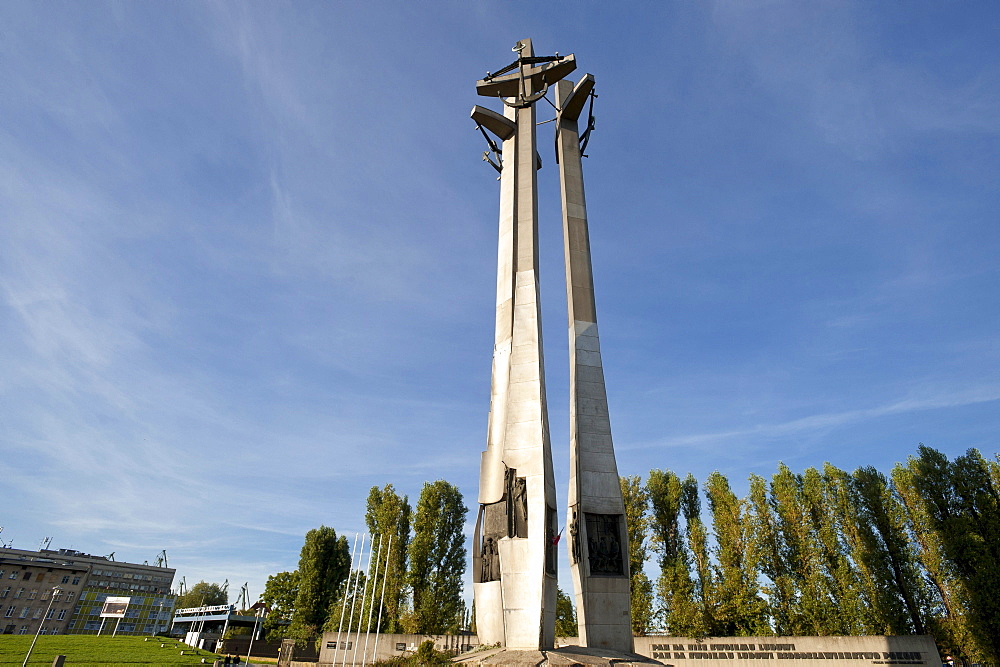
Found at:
[531, 80]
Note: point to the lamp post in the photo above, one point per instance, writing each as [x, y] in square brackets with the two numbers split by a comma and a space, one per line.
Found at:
[55, 591]
[254, 633]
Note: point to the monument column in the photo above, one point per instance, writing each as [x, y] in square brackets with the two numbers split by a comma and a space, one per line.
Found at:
[598, 536]
[514, 560]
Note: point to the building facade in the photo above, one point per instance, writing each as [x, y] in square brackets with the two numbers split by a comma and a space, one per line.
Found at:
[37, 592]
[85, 582]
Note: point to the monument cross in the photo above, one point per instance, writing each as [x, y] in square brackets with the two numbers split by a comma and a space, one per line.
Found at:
[514, 546]
[598, 550]
[514, 560]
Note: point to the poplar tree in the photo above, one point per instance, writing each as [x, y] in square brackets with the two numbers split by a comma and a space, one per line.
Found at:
[948, 621]
[827, 498]
[324, 564]
[437, 559]
[388, 520]
[566, 625]
[767, 549]
[814, 609]
[964, 508]
[898, 596]
[636, 518]
[678, 611]
[697, 542]
[741, 611]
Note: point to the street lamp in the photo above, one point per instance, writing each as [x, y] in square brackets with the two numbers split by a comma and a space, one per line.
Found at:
[55, 591]
[253, 634]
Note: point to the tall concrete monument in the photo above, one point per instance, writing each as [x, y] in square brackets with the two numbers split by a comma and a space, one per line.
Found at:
[516, 535]
[598, 536]
[514, 558]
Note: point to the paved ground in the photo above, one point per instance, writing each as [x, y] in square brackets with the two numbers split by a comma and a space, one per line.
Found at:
[566, 655]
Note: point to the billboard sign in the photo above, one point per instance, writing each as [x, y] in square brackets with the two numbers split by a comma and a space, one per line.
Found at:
[115, 607]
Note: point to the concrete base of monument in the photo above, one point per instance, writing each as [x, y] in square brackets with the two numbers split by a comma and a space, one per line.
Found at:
[564, 655]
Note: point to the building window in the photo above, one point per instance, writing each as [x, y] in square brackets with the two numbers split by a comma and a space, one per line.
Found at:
[48, 616]
[62, 615]
[26, 577]
[23, 630]
[32, 595]
[72, 625]
[70, 596]
[10, 611]
[13, 575]
[76, 580]
[400, 646]
[19, 593]
[5, 592]
[24, 612]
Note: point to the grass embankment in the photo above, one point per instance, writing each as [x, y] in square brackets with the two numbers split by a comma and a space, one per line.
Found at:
[90, 650]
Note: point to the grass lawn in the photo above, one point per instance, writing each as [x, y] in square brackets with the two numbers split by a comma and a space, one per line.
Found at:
[93, 650]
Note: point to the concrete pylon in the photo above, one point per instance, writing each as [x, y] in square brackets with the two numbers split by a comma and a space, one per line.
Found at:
[514, 548]
[598, 535]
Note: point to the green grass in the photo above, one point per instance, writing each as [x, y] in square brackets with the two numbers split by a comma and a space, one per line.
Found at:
[92, 650]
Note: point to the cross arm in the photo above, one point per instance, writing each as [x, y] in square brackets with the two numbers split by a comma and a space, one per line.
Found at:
[508, 85]
[496, 123]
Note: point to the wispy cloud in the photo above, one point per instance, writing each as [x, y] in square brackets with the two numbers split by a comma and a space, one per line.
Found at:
[823, 422]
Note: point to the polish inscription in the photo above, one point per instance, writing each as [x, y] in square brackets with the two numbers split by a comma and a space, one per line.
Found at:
[779, 652]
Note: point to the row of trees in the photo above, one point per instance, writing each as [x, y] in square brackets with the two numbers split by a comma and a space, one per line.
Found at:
[824, 552]
[420, 570]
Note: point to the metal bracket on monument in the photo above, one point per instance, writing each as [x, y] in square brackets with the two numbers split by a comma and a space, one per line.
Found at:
[591, 124]
[571, 108]
[499, 125]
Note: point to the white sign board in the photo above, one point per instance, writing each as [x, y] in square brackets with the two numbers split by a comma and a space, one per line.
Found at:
[115, 607]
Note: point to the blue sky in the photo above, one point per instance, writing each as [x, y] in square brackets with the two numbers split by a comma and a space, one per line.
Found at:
[248, 253]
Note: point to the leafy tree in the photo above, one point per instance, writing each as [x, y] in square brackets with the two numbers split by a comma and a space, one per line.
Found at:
[697, 541]
[741, 610]
[641, 589]
[279, 596]
[388, 519]
[948, 621]
[765, 547]
[324, 563]
[678, 609]
[437, 559]
[349, 613]
[426, 654]
[814, 610]
[886, 557]
[203, 594]
[827, 499]
[565, 616]
[964, 508]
